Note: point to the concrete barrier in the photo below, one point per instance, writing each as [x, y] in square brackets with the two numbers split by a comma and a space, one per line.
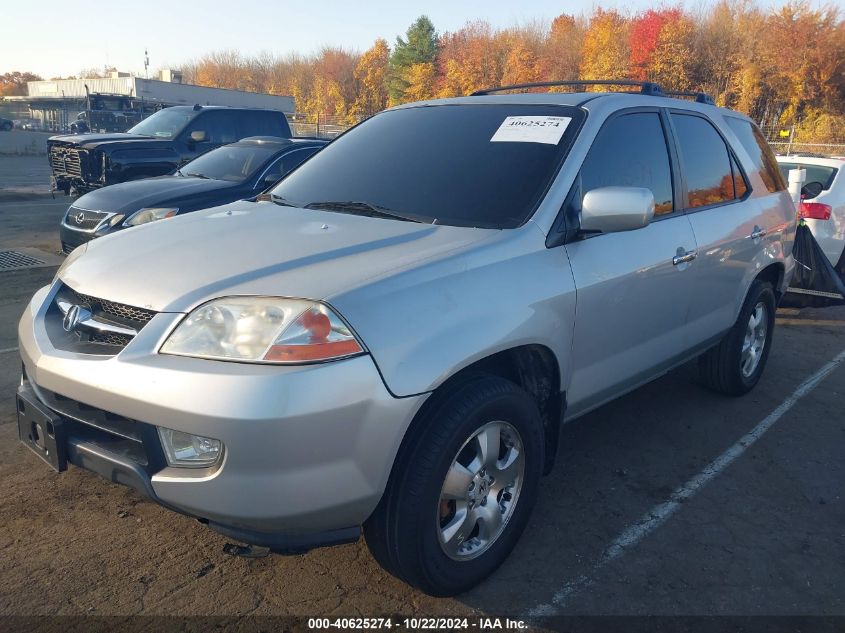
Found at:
[24, 143]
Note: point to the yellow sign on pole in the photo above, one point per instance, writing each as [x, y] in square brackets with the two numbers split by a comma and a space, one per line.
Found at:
[784, 133]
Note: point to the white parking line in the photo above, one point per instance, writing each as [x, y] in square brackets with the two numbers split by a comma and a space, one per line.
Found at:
[8, 350]
[658, 515]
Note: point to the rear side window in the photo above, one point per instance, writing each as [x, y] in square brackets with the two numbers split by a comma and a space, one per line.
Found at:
[708, 166]
[761, 154]
[630, 151]
[219, 127]
[261, 123]
[815, 173]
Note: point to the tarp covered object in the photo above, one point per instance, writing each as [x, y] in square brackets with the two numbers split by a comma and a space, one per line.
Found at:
[816, 283]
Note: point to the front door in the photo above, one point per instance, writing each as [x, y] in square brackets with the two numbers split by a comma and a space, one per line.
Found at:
[633, 287]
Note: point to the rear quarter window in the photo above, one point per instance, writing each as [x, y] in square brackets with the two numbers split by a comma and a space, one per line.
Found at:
[761, 154]
[262, 123]
[815, 173]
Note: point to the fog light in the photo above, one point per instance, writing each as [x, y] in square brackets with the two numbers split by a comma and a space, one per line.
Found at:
[186, 450]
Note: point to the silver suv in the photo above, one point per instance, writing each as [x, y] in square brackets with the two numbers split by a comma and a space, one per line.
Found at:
[395, 337]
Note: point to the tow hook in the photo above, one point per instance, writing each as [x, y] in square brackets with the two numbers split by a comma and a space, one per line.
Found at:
[246, 551]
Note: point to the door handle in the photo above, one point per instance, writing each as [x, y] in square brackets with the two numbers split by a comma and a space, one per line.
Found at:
[684, 257]
[757, 233]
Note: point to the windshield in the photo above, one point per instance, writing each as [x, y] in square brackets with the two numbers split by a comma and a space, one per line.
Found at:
[234, 163]
[815, 173]
[165, 123]
[483, 165]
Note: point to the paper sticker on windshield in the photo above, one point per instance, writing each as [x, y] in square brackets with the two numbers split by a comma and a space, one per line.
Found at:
[531, 129]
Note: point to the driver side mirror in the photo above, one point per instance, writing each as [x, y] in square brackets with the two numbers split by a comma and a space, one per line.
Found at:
[613, 209]
[198, 136]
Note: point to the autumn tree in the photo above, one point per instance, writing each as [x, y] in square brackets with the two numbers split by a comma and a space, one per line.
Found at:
[645, 31]
[418, 47]
[14, 83]
[471, 58]
[521, 65]
[606, 52]
[420, 82]
[561, 57]
[371, 76]
[672, 61]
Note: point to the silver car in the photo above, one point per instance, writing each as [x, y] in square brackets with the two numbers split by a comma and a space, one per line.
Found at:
[394, 339]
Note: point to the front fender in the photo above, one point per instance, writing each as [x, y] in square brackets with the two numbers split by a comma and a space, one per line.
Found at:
[424, 324]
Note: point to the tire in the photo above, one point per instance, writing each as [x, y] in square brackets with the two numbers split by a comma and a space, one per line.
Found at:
[728, 367]
[408, 532]
[7, 126]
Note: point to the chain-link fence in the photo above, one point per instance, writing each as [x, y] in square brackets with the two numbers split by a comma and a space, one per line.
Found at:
[821, 149]
[787, 140]
[320, 126]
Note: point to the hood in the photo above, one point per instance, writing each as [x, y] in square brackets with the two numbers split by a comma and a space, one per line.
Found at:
[128, 197]
[254, 248]
[92, 141]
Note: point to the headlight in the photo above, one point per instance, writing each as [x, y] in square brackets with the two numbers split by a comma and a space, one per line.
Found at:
[263, 330]
[143, 216]
[185, 449]
[75, 254]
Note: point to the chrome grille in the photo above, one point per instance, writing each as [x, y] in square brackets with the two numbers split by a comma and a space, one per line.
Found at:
[120, 312]
[109, 338]
[89, 325]
[84, 219]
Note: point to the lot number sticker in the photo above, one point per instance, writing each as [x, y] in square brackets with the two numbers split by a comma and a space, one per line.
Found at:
[531, 129]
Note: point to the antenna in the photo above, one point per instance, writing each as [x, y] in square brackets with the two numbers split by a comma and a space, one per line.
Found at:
[146, 64]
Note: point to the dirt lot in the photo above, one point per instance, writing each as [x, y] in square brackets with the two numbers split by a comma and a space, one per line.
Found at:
[660, 505]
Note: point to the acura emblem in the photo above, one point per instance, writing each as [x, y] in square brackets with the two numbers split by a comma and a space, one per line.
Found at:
[80, 217]
[74, 315]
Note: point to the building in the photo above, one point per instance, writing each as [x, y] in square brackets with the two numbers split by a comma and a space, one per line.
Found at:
[117, 102]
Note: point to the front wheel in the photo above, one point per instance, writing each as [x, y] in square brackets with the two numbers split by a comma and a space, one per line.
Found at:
[462, 488]
[735, 365]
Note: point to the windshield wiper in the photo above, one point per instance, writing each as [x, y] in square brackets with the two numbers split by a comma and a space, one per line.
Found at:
[281, 201]
[203, 176]
[364, 208]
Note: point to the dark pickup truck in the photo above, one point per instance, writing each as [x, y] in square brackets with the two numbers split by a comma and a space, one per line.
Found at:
[156, 146]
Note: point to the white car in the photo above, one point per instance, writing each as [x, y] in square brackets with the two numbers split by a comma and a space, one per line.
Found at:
[823, 204]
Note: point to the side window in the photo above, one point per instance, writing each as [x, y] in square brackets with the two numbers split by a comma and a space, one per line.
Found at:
[705, 160]
[740, 186]
[262, 123]
[764, 158]
[294, 159]
[287, 163]
[630, 151]
[219, 127]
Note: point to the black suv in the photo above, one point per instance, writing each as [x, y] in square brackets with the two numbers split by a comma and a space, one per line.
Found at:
[156, 146]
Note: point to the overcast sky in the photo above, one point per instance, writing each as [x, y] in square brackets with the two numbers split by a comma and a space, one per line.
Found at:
[55, 37]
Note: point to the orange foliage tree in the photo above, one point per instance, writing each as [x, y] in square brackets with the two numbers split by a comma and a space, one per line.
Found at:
[781, 66]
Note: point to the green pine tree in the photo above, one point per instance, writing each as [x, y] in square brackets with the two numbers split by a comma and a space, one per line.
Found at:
[418, 47]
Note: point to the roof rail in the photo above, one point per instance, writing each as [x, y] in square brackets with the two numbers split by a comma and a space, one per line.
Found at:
[646, 87]
[700, 97]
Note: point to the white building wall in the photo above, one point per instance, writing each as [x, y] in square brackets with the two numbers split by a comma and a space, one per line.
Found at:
[159, 92]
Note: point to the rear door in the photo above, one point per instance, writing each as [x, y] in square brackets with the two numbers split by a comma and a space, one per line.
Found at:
[733, 229]
[632, 299]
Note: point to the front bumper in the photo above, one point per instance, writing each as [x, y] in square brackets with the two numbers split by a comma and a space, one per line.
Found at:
[308, 449]
[70, 239]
